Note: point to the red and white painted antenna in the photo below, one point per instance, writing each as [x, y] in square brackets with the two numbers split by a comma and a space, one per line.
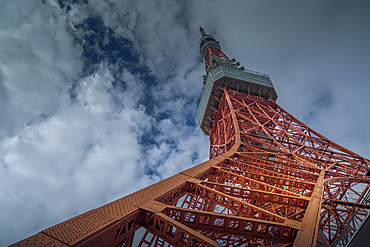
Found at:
[208, 44]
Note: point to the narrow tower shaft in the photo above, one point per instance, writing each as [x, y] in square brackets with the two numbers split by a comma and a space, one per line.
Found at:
[209, 48]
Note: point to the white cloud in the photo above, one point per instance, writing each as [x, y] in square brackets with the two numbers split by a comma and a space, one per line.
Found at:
[60, 149]
[56, 149]
[180, 147]
[37, 61]
[85, 154]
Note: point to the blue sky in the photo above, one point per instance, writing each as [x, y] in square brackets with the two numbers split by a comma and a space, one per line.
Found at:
[97, 98]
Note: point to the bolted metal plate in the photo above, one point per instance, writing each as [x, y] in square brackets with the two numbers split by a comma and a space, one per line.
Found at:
[40, 239]
[76, 229]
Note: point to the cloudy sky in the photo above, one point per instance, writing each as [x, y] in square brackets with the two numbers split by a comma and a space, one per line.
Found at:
[97, 98]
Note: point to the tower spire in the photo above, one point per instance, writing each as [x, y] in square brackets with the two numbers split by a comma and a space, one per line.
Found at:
[202, 32]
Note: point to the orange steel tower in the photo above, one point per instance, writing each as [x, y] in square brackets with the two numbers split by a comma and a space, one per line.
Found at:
[270, 180]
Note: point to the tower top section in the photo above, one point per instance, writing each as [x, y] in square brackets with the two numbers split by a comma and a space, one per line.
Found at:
[207, 41]
[224, 72]
[209, 45]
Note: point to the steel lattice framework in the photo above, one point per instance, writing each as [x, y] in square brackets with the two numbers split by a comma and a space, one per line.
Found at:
[270, 181]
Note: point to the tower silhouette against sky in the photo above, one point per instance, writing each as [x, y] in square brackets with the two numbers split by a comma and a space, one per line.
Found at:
[270, 180]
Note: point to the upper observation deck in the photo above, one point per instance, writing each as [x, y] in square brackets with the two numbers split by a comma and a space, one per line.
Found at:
[238, 79]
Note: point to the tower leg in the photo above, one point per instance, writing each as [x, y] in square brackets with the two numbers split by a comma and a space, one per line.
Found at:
[307, 236]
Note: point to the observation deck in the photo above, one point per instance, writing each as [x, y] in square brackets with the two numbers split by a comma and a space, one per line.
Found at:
[238, 79]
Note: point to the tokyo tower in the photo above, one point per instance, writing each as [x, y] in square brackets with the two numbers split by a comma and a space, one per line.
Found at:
[270, 180]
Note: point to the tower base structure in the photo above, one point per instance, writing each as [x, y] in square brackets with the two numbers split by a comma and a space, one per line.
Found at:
[270, 181]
